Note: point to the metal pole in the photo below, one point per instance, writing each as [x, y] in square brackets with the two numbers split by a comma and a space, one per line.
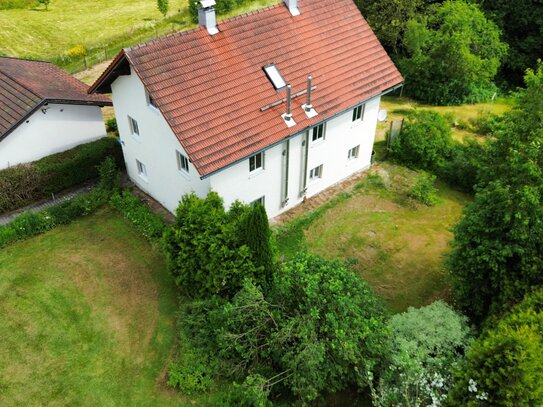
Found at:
[288, 115]
[308, 105]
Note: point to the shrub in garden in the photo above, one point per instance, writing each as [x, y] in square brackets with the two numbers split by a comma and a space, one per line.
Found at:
[504, 366]
[425, 141]
[464, 167]
[486, 124]
[424, 346]
[24, 184]
[208, 254]
[423, 190]
[146, 222]
[111, 126]
[109, 176]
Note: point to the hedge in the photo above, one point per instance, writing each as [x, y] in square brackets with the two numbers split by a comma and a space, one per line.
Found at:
[31, 224]
[24, 184]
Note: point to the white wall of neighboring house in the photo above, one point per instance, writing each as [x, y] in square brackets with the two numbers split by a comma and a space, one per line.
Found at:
[156, 147]
[61, 127]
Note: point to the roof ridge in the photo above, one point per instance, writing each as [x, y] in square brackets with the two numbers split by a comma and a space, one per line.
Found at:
[197, 28]
[26, 59]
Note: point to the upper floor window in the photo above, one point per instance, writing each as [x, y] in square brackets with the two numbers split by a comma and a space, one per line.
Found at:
[358, 113]
[151, 101]
[353, 153]
[318, 132]
[315, 173]
[134, 129]
[182, 162]
[256, 162]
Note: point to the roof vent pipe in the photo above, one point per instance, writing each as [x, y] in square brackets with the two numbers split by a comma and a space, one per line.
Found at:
[287, 117]
[292, 7]
[308, 106]
[206, 16]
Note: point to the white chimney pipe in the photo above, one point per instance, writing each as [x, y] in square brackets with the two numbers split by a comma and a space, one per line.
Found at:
[292, 6]
[206, 16]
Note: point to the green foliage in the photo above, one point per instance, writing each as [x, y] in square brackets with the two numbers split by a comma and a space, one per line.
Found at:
[255, 233]
[504, 366]
[425, 141]
[424, 345]
[30, 224]
[190, 373]
[162, 6]
[24, 184]
[109, 176]
[497, 250]
[316, 330]
[45, 3]
[522, 26]
[463, 168]
[486, 124]
[149, 224]
[453, 55]
[389, 18]
[206, 255]
[111, 126]
[16, 4]
[423, 190]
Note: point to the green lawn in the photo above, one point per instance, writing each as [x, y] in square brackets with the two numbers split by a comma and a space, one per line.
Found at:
[96, 24]
[87, 317]
[396, 245]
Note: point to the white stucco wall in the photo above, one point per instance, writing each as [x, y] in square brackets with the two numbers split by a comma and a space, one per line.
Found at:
[156, 146]
[341, 134]
[62, 127]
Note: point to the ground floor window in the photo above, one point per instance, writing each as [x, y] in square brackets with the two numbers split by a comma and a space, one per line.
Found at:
[353, 153]
[142, 170]
[260, 201]
[315, 173]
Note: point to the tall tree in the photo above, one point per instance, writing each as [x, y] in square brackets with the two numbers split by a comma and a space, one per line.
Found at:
[497, 252]
[522, 26]
[453, 54]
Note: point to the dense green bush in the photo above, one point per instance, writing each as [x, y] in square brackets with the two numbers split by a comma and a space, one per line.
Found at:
[453, 54]
[109, 176]
[30, 224]
[148, 223]
[504, 366]
[423, 190]
[464, 166]
[424, 346]
[222, 7]
[316, 330]
[17, 4]
[486, 124]
[425, 142]
[207, 248]
[24, 184]
[111, 126]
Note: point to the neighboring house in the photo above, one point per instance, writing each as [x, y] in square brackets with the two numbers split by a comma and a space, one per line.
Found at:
[43, 110]
[207, 109]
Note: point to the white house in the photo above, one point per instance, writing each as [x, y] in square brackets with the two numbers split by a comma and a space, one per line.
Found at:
[43, 110]
[270, 106]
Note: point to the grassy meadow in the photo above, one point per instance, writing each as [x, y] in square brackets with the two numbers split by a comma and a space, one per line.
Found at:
[395, 244]
[87, 317]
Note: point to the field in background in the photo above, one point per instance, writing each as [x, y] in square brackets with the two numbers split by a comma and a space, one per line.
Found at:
[102, 26]
[396, 245]
[87, 317]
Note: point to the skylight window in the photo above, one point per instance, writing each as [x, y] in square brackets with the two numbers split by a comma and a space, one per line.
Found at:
[274, 76]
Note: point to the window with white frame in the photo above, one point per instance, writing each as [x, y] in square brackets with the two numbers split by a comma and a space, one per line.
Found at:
[315, 173]
[182, 162]
[353, 153]
[256, 162]
[134, 129]
[142, 170]
[358, 113]
[318, 132]
[260, 201]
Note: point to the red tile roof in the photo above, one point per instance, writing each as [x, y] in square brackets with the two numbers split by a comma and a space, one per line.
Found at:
[211, 89]
[25, 85]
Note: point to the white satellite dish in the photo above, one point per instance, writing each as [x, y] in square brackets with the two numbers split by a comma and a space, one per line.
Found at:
[382, 115]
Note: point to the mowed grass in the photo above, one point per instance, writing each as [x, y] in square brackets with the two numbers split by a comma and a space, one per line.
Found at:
[87, 317]
[396, 245]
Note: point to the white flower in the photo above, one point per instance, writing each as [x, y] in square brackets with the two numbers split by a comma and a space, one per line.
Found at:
[472, 386]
